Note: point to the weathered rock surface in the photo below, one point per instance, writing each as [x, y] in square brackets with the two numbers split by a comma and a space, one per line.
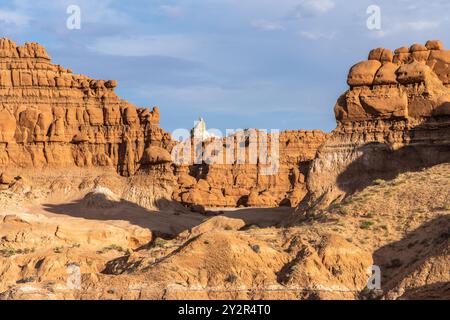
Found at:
[50, 117]
[247, 184]
[97, 221]
[395, 117]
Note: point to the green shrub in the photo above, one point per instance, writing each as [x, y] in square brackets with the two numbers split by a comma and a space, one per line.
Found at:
[58, 249]
[256, 248]
[112, 247]
[366, 224]
[160, 242]
[368, 215]
[231, 278]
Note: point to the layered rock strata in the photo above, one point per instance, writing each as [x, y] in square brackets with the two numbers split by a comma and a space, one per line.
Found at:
[250, 183]
[395, 117]
[50, 117]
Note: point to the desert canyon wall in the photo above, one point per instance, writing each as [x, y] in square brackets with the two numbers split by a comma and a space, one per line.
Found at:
[52, 119]
[394, 118]
[247, 184]
[84, 169]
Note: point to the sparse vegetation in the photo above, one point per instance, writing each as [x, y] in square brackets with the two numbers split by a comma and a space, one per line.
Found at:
[256, 248]
[231, 278]
[58, 249]
[112, 247]
[366, 225]
[348, 200]
[160, 242]
[26, 280]
[368, 215]
[9, 252]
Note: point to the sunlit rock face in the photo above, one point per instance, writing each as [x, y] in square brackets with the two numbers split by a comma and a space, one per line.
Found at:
[50, 117]
[394, 117]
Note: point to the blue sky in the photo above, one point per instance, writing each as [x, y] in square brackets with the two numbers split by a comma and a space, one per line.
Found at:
[274, 64]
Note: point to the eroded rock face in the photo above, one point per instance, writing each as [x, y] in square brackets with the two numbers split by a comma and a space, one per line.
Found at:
[50, 117]
[395, 117]
[245, 184]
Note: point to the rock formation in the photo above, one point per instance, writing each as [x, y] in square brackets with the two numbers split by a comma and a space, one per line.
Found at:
[80, 170]
[50, 117]
[395, 117]
[245, 184]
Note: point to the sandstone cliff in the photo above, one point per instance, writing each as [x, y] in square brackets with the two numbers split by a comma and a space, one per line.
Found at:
[50, 117]
[246, 184]
[91, 166]
[394, 118]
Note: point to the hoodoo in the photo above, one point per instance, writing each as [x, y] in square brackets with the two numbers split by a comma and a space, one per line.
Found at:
[395, 117]
[51, 118]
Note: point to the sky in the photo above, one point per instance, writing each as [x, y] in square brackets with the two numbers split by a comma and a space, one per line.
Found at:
[267, 64]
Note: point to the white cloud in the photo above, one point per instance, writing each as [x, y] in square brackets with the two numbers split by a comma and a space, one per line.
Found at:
[171, 11]
[267, 25]
[172, 45]
[406, 27]
[314, 8]
[13, 18]
[421, 25]
[314, 35]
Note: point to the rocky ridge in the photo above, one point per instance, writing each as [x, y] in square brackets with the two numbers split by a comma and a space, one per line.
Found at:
[246, 184]
[376, 194]
[394, 118]
[51, 118]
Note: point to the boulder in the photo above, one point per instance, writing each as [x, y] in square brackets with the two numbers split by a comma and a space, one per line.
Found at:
[434, 45]
[386, 75]
[363, 73]
[6, 178]
[155, 155]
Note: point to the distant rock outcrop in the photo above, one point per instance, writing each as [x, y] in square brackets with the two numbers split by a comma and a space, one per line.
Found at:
[394, 118]
[245, 184]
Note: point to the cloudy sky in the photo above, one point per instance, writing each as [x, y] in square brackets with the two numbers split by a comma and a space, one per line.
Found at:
[274, 64]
